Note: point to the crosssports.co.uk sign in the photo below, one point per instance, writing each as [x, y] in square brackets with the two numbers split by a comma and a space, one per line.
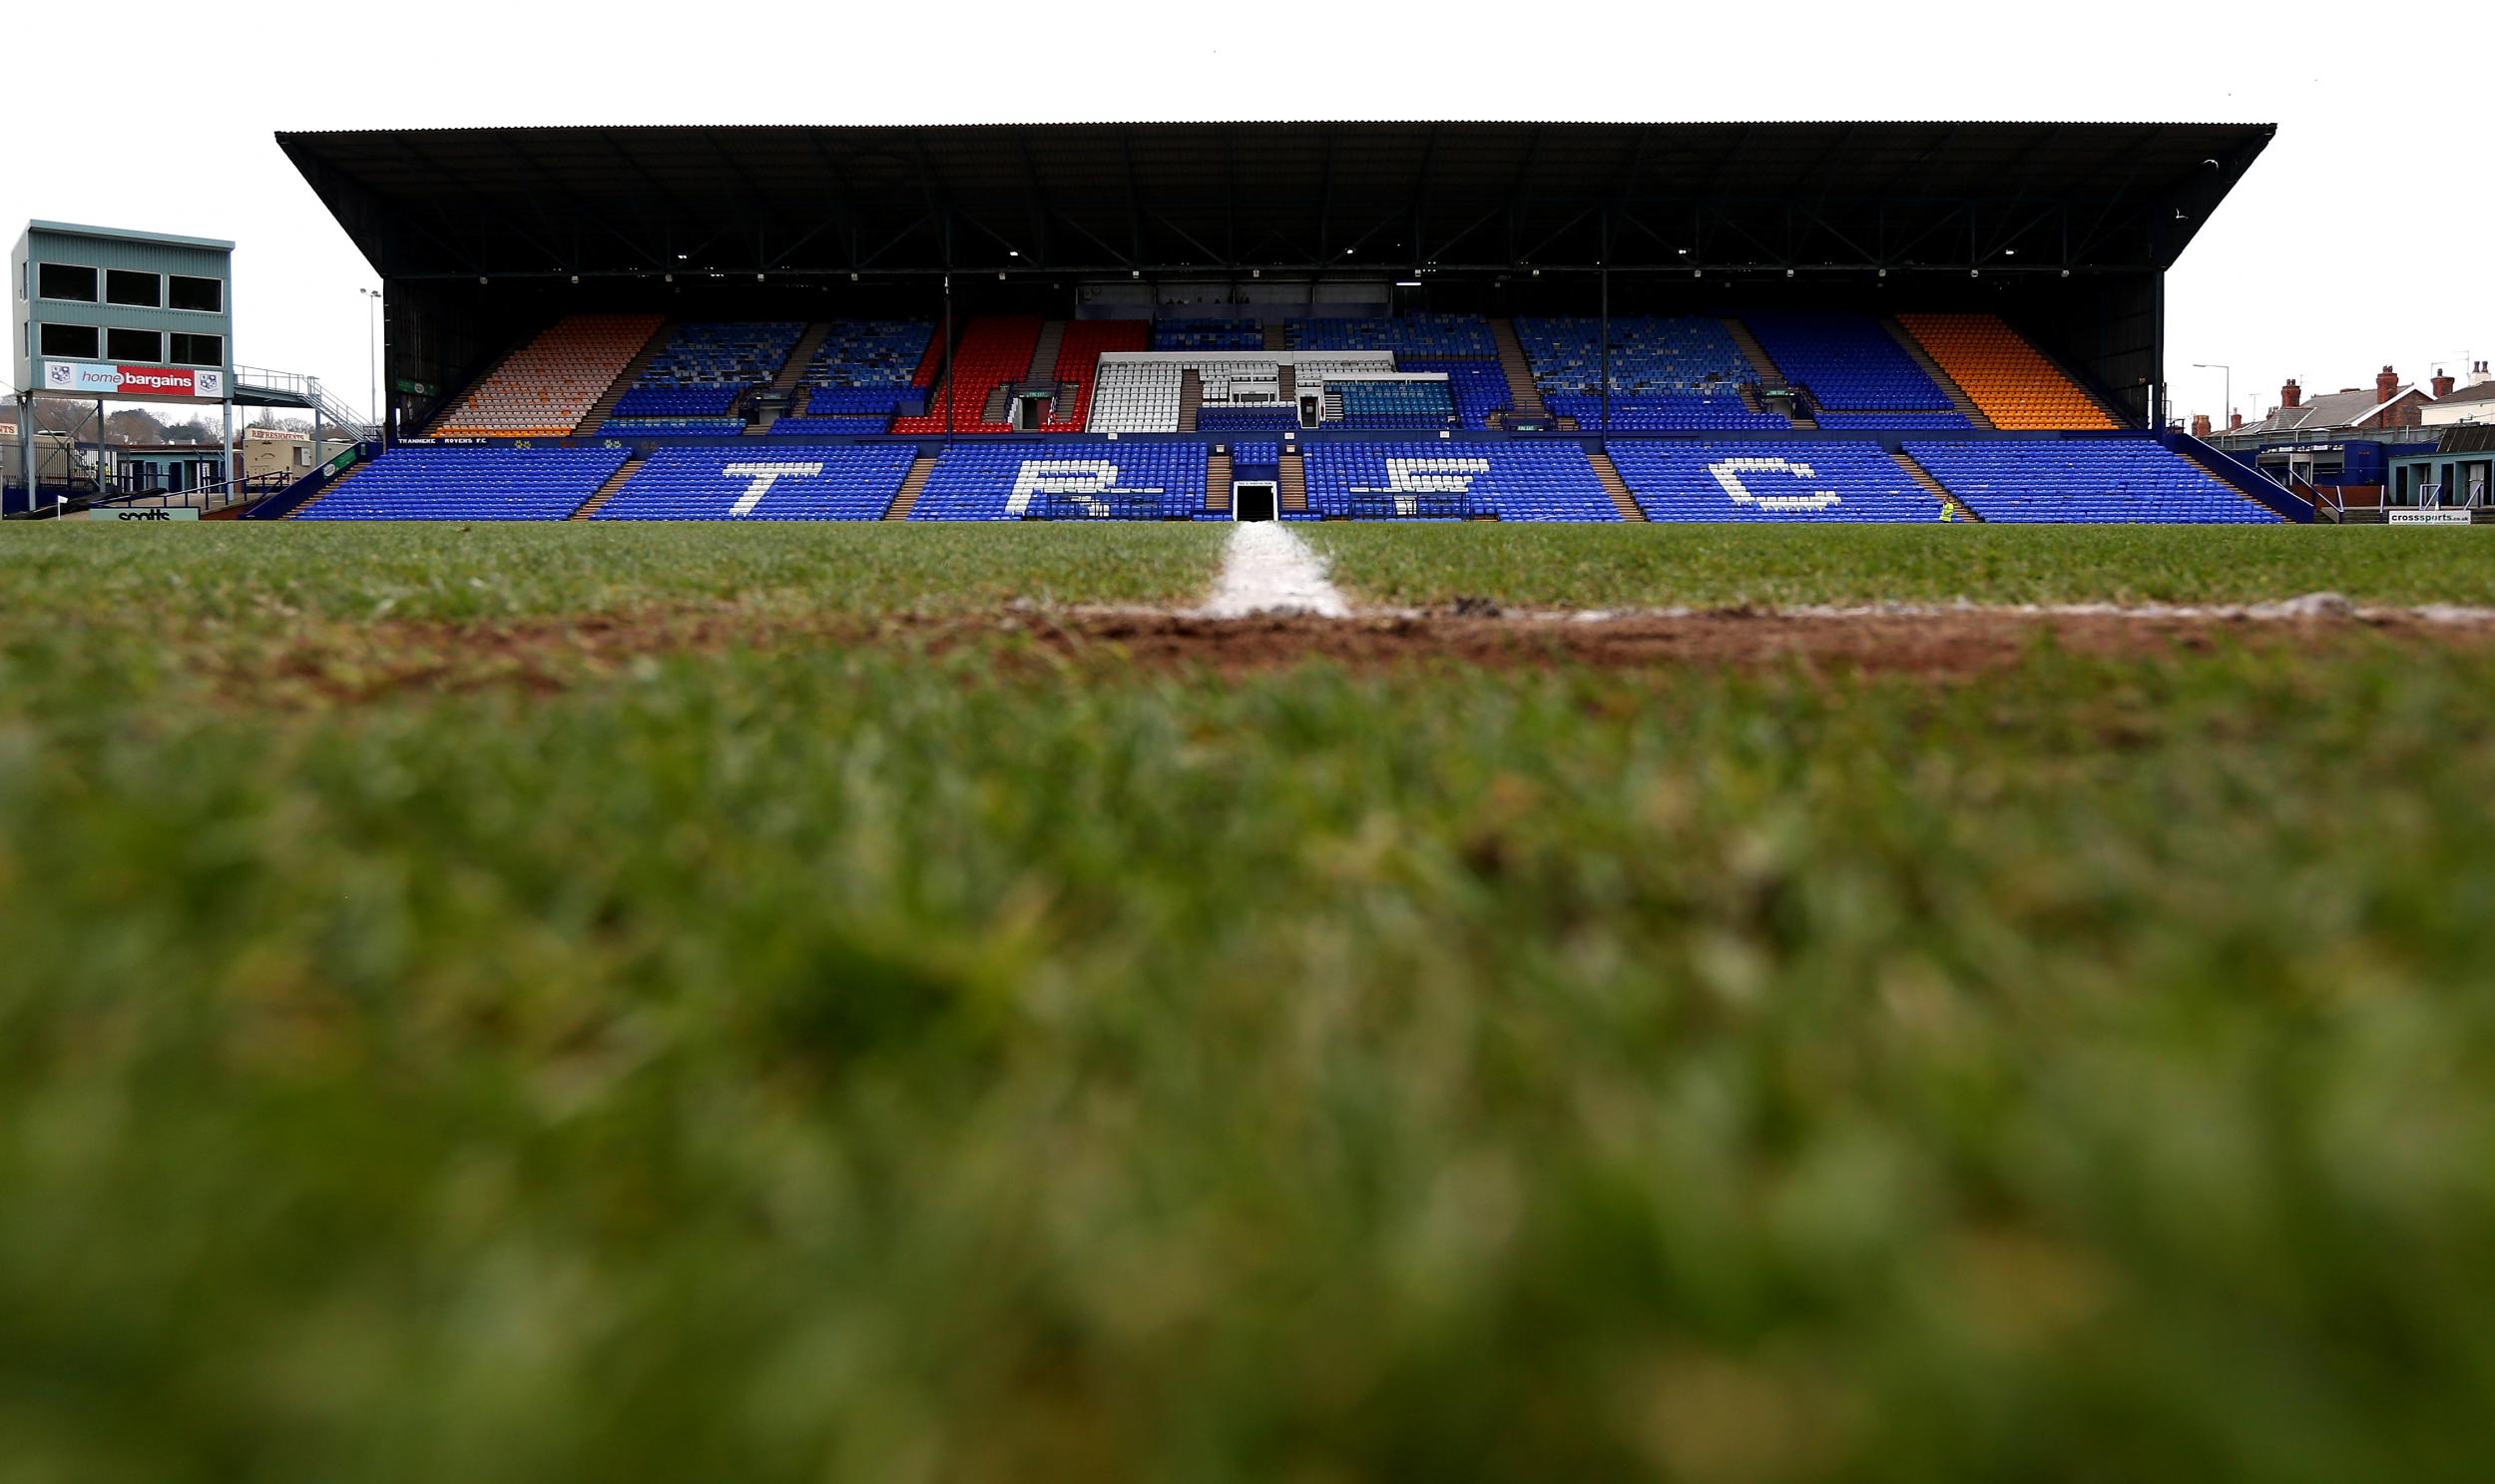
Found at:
[78, 378]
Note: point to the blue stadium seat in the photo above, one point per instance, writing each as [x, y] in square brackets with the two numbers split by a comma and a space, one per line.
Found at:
[736, 355]
[1393, 404]
[847, 425]
[469, 484]
[1664, 414]
[2085, 480]
[1845, 362]
[868, 352]
[1416, 335]
[1896, 421]
[775, 482]
[1652, 355]
[1478, 387]
[1246, 419]
[1770, 480]
[1449, 480]
[677, 401]
[1067, 478]
[664, 427]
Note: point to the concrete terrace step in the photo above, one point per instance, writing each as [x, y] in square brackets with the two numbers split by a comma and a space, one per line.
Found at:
[326, 490]
[1913, 347]
[911, 483]
[1523, 395]
[1217, 484]
[1294, 496]
[801, 356]
[1614, 486]
[621, 477]
[1923, 477]
[603, 409]
[1044, 352]
[1190, 398]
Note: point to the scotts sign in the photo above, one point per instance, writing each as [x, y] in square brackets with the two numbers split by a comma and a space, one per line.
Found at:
[84, 378]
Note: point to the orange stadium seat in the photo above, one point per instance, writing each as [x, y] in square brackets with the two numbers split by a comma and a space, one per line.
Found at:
[2009, 379]
[548, 385]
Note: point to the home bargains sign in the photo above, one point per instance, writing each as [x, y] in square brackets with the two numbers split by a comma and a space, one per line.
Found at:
[78, 378]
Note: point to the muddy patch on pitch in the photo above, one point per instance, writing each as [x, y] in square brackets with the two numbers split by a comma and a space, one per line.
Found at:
[348, 662]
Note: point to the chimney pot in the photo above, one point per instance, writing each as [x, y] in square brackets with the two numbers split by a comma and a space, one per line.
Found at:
[2290, 395]
[2442, 385]
[2199, 425]
[2235, 420]
[2386, 385]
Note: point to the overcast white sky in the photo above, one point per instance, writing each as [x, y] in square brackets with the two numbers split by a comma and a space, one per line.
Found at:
[2337, 255]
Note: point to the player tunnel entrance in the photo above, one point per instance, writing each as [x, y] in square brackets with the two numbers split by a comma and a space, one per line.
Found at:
[1252, 499]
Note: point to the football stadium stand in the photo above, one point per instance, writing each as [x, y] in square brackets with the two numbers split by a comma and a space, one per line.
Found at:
[1065, 479]
[2011, 380]
[1846, 361]
[545, 389]
[776, 482]
[1114, 315]
[1770, 480]
[469, 484]
[2084, 481]
[1454, 481]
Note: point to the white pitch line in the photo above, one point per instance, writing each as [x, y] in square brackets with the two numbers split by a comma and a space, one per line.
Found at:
[1266, 568]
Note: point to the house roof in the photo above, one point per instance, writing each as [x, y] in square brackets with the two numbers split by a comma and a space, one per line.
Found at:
[2484, 391]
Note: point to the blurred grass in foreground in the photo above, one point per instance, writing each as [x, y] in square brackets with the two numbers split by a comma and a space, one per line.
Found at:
[859, 1065]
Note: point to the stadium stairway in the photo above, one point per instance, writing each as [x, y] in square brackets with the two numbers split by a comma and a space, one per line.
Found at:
[1293, 497]
[1764, 369]
[1217, 484]
[911, 483]
[603, 409]
[1523, 395]
[450, 404]
[801, 356]
[326, 490]
[1958, 399]
[1614, 486]
[1044, 354]
[622, 476]
[1923, 477]
[1190, 398]
[1274, 338]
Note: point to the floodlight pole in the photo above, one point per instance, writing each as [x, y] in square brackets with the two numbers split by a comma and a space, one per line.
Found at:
[2228, 383]
[372, 354]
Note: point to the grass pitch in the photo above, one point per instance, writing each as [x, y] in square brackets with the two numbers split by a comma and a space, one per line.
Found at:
[851, 1059]
[1663, 566]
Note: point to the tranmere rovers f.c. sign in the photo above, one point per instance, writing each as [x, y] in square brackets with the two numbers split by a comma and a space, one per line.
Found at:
[78, 378]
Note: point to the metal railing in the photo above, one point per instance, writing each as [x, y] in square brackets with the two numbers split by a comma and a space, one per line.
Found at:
[309, 391]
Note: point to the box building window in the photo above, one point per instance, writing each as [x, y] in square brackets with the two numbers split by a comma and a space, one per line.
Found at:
[73, 341]
[143, 345]
[137, 290]
[204, 296]
[65, 281]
